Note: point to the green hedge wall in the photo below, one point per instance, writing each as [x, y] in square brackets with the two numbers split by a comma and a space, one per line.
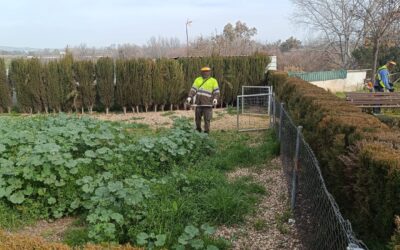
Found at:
[134, 84]
[5, 92]
[358, 154]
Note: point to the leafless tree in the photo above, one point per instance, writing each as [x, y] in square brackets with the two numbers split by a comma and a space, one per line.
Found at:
[381, 18]
[337, 23]
[162, 47]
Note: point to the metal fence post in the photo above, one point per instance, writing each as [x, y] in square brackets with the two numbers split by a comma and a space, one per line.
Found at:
[273, 109]
[269, 101]
[237, 112]
[295, 168]
[280, 120]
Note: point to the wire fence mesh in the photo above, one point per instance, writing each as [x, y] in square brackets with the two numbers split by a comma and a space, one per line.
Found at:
[317, 215]
[254, 108]
[254, 90]
[253, 112]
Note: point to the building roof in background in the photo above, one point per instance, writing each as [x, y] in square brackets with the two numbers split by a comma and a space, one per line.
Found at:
[320, 76]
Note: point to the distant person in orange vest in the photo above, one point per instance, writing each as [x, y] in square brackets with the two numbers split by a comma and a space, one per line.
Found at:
[204, 94]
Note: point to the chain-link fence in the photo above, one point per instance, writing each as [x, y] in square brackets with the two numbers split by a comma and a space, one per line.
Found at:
[317, 216]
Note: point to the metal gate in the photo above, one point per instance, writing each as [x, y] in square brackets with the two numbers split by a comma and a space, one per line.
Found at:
[254, 108]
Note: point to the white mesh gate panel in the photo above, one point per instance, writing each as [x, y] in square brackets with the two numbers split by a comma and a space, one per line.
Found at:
[254, 108]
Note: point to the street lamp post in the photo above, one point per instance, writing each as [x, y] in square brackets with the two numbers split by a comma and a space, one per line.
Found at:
[188, 22]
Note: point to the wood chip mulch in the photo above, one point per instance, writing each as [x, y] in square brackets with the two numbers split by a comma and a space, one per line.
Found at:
[265, 228]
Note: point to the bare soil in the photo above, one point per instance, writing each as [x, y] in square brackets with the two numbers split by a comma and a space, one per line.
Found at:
[222, 120]
[50, 231]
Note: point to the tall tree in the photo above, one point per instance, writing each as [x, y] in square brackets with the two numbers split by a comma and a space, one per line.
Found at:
[338, 24]
[19, 79]
[289, 44]
[146, 83]
[54, 86]
[379, 17]
[175, 83]
[235, 40]
[105, 81]
[135, 70]
[122, 87]
[5, 93]
[69, 91]
[35, 84]
[157, 84]
[84, 73]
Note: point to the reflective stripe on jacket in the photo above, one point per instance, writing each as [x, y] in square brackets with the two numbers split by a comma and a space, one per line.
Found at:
[205, 91]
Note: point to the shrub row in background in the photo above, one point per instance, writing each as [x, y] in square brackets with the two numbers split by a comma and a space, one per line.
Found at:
[359, 155]
[5, 92]
[136, 84]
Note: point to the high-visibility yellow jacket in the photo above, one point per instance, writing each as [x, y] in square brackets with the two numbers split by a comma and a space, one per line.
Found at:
[382, 77]
[205, 91]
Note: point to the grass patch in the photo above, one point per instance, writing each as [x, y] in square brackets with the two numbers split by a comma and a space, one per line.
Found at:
[202, 193]
[13, 219]
[341, 95]
[136, 118]
[238, 153]
[76, 236]
[231, 110]
[229, 203]
[218, 115]
[168, 113]
[282, 220]
[260, 225]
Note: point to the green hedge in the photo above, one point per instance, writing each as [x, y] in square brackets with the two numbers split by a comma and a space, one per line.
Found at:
[5, 93]
[135, 84]
[359, 155]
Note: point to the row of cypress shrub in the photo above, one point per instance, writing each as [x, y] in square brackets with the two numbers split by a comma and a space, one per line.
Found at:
[5, 91]
[136, 84]
[358, 154]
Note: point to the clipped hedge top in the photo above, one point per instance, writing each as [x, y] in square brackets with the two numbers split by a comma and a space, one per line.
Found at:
[332, 113]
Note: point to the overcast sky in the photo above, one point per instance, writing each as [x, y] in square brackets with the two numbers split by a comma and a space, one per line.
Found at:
[57, 23]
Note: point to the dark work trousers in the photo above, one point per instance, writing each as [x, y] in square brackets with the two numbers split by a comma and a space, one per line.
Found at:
[378, 88]
[207, 113]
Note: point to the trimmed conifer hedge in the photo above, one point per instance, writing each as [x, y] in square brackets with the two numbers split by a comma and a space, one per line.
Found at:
[135, 84]
[358, 154]
[5, 92]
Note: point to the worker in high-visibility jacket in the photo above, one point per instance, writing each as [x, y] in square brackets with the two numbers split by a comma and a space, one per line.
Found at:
[204, 94]
[382, 79]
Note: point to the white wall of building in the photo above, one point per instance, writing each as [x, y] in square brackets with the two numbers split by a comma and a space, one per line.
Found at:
[273, 65]
[353, 82]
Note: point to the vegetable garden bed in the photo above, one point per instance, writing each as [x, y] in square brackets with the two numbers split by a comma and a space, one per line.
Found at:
[125, 183]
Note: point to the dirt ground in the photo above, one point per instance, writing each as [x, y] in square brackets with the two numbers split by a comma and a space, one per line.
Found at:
[50, 231]
[222, 119]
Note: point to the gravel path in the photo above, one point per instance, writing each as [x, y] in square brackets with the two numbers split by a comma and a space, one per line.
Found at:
[268, 228]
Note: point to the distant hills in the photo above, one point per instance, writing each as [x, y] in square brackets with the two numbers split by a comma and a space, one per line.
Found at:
[19, 49]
